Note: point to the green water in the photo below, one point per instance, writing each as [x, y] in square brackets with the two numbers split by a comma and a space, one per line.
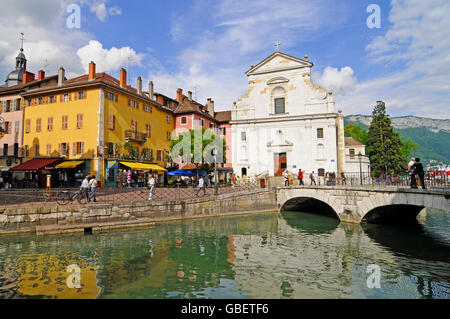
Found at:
[289, 255]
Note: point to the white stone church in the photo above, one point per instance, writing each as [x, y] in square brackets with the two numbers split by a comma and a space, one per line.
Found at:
[284, 122]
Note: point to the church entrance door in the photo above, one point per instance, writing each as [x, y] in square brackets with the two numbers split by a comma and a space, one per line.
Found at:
[280, 163]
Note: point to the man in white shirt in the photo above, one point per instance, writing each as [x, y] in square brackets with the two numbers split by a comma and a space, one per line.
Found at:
[412, 173]
[201, 185]
[286, 178]
[85, 188]
[151, 184]
[93, 187]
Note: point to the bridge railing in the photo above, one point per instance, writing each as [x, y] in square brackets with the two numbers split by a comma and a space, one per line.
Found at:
[363, 179]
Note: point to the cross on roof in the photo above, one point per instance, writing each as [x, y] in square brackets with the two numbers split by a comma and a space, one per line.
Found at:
[21, 39]
[277, 44]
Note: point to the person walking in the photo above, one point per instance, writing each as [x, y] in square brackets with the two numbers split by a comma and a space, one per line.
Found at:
[312, 178]
[151, 185]
[1, 181]
[85, 189]
[300, 177]
[418, 169]
[201, 185]
[344, 179]
[93, 187]
[412, 174]
[286, 178]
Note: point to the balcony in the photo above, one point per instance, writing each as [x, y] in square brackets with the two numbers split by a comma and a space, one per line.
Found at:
[137, 137]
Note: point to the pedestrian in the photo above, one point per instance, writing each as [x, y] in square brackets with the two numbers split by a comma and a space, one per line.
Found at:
[418, 169]
[36, 181]
[85, 189]
[1, 181]
[344, 179]
[312, 178]
[234, 180]
[93, 187]
[151, 185]
[201, 185]
[300, 177]
[412, 174]
[286, 178]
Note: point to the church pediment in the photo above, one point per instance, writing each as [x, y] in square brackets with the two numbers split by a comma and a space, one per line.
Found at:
[279, 61]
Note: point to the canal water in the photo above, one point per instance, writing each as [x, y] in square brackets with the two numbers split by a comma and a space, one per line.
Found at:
[288, 255]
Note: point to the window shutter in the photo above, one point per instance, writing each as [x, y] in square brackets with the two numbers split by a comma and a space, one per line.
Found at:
[84, 94]
[75, 96]
[82, 147]
[116, 97]
[70, 96]
[59, 149]
[74, 148]
[60, 98]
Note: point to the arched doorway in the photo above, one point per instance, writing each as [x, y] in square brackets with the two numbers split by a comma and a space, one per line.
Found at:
[244, 171]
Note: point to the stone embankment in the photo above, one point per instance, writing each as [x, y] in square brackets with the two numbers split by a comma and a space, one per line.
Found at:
[62, 219]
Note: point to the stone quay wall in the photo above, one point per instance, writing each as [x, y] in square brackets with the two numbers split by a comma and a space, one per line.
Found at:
[61, 219]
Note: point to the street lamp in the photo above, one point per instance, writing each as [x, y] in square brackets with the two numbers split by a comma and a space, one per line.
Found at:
[360, 168]
[216, 191]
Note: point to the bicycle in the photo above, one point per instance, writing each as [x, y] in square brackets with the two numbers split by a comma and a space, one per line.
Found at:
[65, 197]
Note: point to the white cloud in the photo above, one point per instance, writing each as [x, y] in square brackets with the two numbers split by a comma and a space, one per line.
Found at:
[339, 81]
[417, 46]
[107, 59]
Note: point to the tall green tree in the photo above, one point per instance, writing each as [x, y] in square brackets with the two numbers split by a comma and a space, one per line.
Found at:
[384, 146]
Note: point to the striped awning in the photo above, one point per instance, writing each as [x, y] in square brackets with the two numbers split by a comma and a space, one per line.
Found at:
[143, 166]
[69, 164]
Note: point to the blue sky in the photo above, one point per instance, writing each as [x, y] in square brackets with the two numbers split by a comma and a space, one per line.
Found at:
[206, 46]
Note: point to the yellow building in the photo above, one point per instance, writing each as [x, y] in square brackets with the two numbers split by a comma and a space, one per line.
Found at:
[99, 125]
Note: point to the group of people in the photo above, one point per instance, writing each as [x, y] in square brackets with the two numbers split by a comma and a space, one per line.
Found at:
[88, 188]
[330, 178]
[415, 167]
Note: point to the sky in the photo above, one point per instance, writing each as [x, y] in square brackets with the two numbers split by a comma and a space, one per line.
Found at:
[206, 46]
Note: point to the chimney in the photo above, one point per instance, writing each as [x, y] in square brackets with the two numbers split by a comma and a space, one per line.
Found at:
[41, 75]
[150, 90]
[210, 106]
[27, 77]
[61, 76]
[190, 95]
[91, 75]
[180, 95]
[123, 78]
[139, 85]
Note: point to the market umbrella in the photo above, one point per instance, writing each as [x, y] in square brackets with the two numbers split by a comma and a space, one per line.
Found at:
[180, 172]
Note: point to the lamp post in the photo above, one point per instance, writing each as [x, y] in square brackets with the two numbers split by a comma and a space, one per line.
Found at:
[216, 191]
[360, 168]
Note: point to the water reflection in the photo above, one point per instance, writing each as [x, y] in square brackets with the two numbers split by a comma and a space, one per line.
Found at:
[289, 255]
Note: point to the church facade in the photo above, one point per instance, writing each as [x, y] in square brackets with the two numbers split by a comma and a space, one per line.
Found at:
[285, 122]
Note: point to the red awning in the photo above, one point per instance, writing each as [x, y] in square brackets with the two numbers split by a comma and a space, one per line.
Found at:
[37, 164]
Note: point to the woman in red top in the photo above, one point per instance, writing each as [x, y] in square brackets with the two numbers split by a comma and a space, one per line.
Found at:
[300, 177]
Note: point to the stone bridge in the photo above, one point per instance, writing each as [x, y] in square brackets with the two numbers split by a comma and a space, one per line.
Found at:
[357, 204]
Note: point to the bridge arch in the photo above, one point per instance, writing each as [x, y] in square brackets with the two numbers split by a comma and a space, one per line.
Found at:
[309, 205]
[395, 213]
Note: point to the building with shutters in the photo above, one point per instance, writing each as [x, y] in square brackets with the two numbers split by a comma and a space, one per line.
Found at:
[98, 124]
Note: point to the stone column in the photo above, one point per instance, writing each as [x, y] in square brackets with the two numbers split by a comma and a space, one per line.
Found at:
[340, 143]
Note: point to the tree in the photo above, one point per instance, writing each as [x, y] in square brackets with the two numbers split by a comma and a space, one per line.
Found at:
[407, 148]
[191, 154]
[384, 146]
[352, 130]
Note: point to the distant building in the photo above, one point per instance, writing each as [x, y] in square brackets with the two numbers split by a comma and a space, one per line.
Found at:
[355, 152]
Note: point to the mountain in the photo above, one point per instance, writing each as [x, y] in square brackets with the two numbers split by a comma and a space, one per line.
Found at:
[431, 135]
